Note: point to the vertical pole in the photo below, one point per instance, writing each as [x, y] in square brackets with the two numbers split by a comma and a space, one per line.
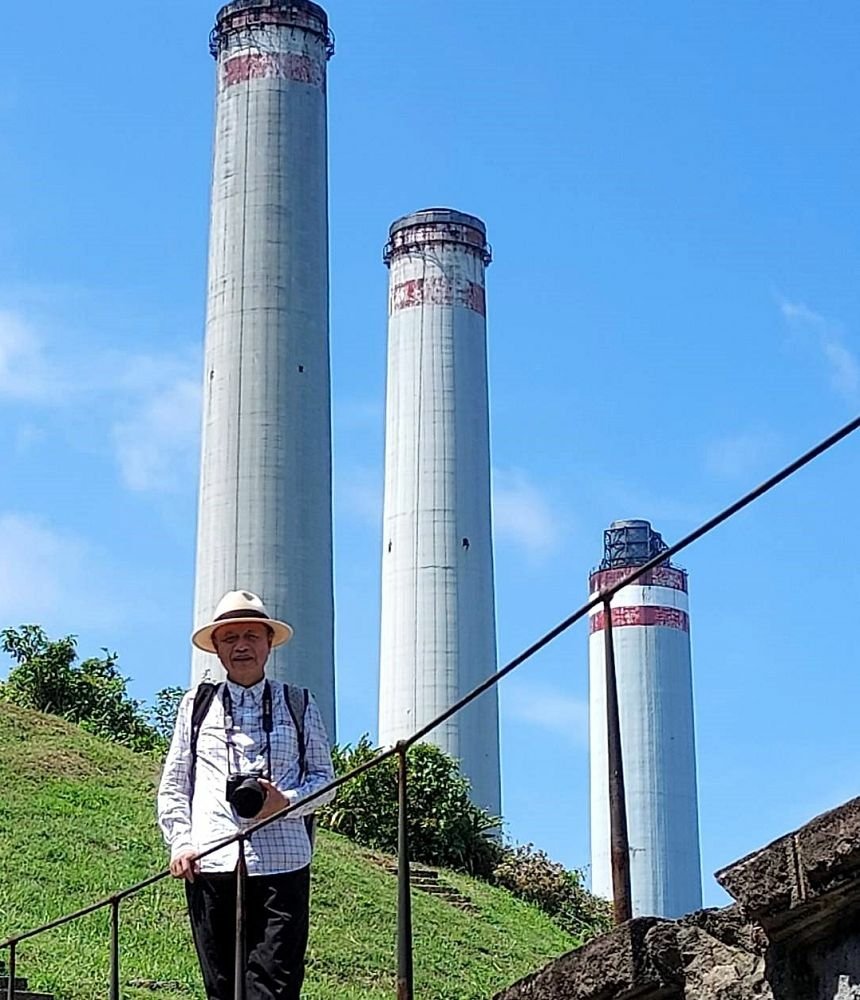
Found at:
[404, 896]
[239, 970]
[620, 844]
[10, 989]
[114, 948]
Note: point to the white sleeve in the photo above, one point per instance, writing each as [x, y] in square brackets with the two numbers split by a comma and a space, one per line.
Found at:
[175, 791]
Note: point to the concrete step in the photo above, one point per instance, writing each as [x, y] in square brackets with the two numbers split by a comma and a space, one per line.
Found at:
[21, 991]
[156, 984]
[20, 984]
[434, 888]
[428, 873]
[427, 880]
[425, 873]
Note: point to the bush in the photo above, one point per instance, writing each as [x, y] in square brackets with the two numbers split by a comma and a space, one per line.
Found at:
[92, 693]
[560, 892]
[445, 827]
[162, 715]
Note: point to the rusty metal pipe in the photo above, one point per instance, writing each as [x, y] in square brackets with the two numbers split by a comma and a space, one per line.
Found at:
[239, 970]
[114, 948]
[405, 984]
[620, 844]
[10, 989]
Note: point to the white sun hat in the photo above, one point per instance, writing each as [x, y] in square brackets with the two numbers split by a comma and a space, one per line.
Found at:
[236, 607]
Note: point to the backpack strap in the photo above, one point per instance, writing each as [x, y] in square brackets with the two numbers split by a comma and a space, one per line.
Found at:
[203, 698]
[297, 703]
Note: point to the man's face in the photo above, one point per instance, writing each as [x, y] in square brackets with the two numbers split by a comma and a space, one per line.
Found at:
[243, 650]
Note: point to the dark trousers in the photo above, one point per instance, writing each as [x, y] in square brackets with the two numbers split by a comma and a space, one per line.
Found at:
[276, 933]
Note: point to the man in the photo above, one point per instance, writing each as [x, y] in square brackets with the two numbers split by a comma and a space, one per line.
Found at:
[248, 729]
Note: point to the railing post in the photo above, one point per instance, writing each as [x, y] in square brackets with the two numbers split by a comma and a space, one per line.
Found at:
[10, 989]
[619, 842]
[114, 948]
[239, 973]
[405, 985]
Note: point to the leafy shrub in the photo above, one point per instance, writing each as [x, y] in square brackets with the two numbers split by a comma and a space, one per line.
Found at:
[48, 677]
[162, 715]
[445, 827]
[560, 892]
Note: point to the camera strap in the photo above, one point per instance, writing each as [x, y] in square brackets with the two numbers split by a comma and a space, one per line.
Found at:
[229, 727]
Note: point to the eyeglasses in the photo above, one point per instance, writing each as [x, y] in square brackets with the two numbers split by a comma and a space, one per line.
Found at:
[231, 638]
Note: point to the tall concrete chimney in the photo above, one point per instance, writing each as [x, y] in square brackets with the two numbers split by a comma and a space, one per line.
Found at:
[438, 628]
[651, 635]
[265, 509]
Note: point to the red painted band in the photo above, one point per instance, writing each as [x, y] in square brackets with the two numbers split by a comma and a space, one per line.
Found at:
[642, 614]
[438, 291]
[291, 19]
[293, 66]
[660, 576]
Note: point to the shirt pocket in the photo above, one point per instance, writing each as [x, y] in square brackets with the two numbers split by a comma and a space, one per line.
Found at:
[285, 756]
[211, 743]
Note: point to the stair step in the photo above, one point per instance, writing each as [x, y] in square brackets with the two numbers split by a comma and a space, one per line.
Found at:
[21, 991]
[423, 873]
[427, 880]
[391, 865]
[157, 984]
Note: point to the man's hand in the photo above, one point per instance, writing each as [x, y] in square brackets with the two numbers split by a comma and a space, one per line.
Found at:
[275, 800]
[185, 866]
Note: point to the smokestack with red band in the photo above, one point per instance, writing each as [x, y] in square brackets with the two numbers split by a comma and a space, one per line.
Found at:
[264, 520]
[651, 633]
[438, 629]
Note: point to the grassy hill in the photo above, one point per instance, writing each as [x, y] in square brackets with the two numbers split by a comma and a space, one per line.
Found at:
[78, 823]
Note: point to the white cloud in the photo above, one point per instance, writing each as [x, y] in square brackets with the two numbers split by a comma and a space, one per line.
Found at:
[522, 515]
[737, 456]
[829, 338]
[844, 367]
[797, 312]
[548, 708]
[49, 577]
[157, 443]
[148, 404]
[25, 372]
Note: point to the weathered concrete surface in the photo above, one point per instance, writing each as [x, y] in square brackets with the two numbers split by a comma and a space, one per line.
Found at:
[793, 934]
[803, 880]
[625, 962]
[704, 955]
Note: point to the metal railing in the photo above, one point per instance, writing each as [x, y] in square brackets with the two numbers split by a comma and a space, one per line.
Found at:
[620, 852]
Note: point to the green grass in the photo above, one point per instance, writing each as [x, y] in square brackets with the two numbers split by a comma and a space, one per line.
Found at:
[78, 823]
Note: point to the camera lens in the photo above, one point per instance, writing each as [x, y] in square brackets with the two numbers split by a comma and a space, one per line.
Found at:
[248, 798]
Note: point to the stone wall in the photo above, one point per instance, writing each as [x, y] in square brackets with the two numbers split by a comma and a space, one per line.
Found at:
[792, 934]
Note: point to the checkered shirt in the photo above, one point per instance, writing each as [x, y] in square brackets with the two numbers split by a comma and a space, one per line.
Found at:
[194, 819]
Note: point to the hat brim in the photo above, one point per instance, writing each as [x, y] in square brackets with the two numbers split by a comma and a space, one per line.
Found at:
[281, 632]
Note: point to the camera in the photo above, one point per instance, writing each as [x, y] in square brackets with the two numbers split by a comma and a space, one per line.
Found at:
[245, 794]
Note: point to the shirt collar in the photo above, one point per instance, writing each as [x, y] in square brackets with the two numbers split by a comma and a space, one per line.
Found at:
[252, 695]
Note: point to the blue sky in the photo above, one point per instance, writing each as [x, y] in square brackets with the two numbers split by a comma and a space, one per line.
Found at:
[671, 194]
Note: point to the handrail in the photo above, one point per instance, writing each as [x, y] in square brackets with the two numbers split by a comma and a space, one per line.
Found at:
[638, 571]
[603, 597]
